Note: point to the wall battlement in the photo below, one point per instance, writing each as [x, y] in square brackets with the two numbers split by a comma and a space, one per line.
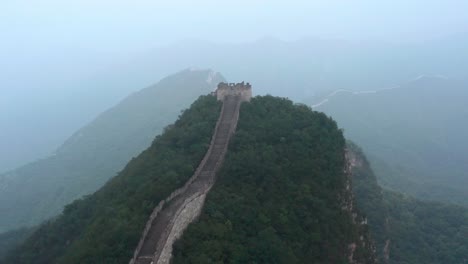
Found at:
[244, 90]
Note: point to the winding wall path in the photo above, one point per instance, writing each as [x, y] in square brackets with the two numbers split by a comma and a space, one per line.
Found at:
[172, 216]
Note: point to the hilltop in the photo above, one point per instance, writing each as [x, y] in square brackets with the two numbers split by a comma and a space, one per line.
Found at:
[283, 184]
[290, 190]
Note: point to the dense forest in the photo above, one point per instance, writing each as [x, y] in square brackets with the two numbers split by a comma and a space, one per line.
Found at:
[282, 188]
[105, 227]
[407, 230]
[10, 240]
[277, 198]
[280, 198]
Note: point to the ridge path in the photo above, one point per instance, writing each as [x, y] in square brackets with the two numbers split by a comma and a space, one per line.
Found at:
[172, 216]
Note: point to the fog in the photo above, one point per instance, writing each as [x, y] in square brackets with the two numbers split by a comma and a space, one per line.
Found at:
[62, 63]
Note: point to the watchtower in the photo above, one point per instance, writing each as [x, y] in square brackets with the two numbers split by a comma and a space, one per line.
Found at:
[244, 90]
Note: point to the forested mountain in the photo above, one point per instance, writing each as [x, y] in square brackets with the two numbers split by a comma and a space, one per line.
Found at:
[95, 153]
[407, 230]
[281, 195]
[327, 132]
[12, 239]
[414, 135]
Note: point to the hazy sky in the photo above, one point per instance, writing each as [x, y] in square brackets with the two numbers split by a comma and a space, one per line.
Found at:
[127, 25]
[44, 37]
[48, 46]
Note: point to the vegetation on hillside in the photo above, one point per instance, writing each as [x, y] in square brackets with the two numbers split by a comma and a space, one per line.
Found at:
[10, 240]
[413, 135]
[418, 232]
[277, 197]
[105, 227]
[98, 151]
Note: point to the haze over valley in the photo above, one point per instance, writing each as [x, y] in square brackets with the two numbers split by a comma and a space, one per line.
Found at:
[331, 132]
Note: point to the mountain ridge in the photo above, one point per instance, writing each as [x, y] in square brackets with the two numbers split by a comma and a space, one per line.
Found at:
[405, 229]
[105, 226]
[98, 151]
[414, 147]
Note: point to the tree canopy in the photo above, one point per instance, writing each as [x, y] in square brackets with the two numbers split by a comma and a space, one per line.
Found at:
[277, 197]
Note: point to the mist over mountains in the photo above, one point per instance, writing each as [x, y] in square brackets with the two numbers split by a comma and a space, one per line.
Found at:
[157, 132]
[294, 69]
[96, 152]
[413, 134]
[428, 140]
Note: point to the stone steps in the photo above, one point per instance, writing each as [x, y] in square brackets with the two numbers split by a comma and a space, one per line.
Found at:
[187, 205]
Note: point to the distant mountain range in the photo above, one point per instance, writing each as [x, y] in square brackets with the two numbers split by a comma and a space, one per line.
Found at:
[405, 229]
[414, 147]
[413, 134]
[294, 69]
[95, 153]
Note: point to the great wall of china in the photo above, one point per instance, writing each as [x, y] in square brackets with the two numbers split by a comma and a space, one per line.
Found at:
[173, 215]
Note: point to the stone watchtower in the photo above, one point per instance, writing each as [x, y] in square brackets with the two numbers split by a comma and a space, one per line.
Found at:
[244, 90]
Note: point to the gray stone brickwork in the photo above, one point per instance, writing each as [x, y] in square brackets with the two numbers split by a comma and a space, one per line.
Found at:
[244, 90]
[173, 215]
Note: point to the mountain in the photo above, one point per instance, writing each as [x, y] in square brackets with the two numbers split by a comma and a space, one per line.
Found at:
[289, 191]
[293, 69]
[282, 195]
[413, 134]
[405, 229]
[95, 153]
[300, 68]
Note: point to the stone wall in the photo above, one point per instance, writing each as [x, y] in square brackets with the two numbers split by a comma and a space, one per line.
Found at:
[175, 193]
[192, 204]
[187, 214]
